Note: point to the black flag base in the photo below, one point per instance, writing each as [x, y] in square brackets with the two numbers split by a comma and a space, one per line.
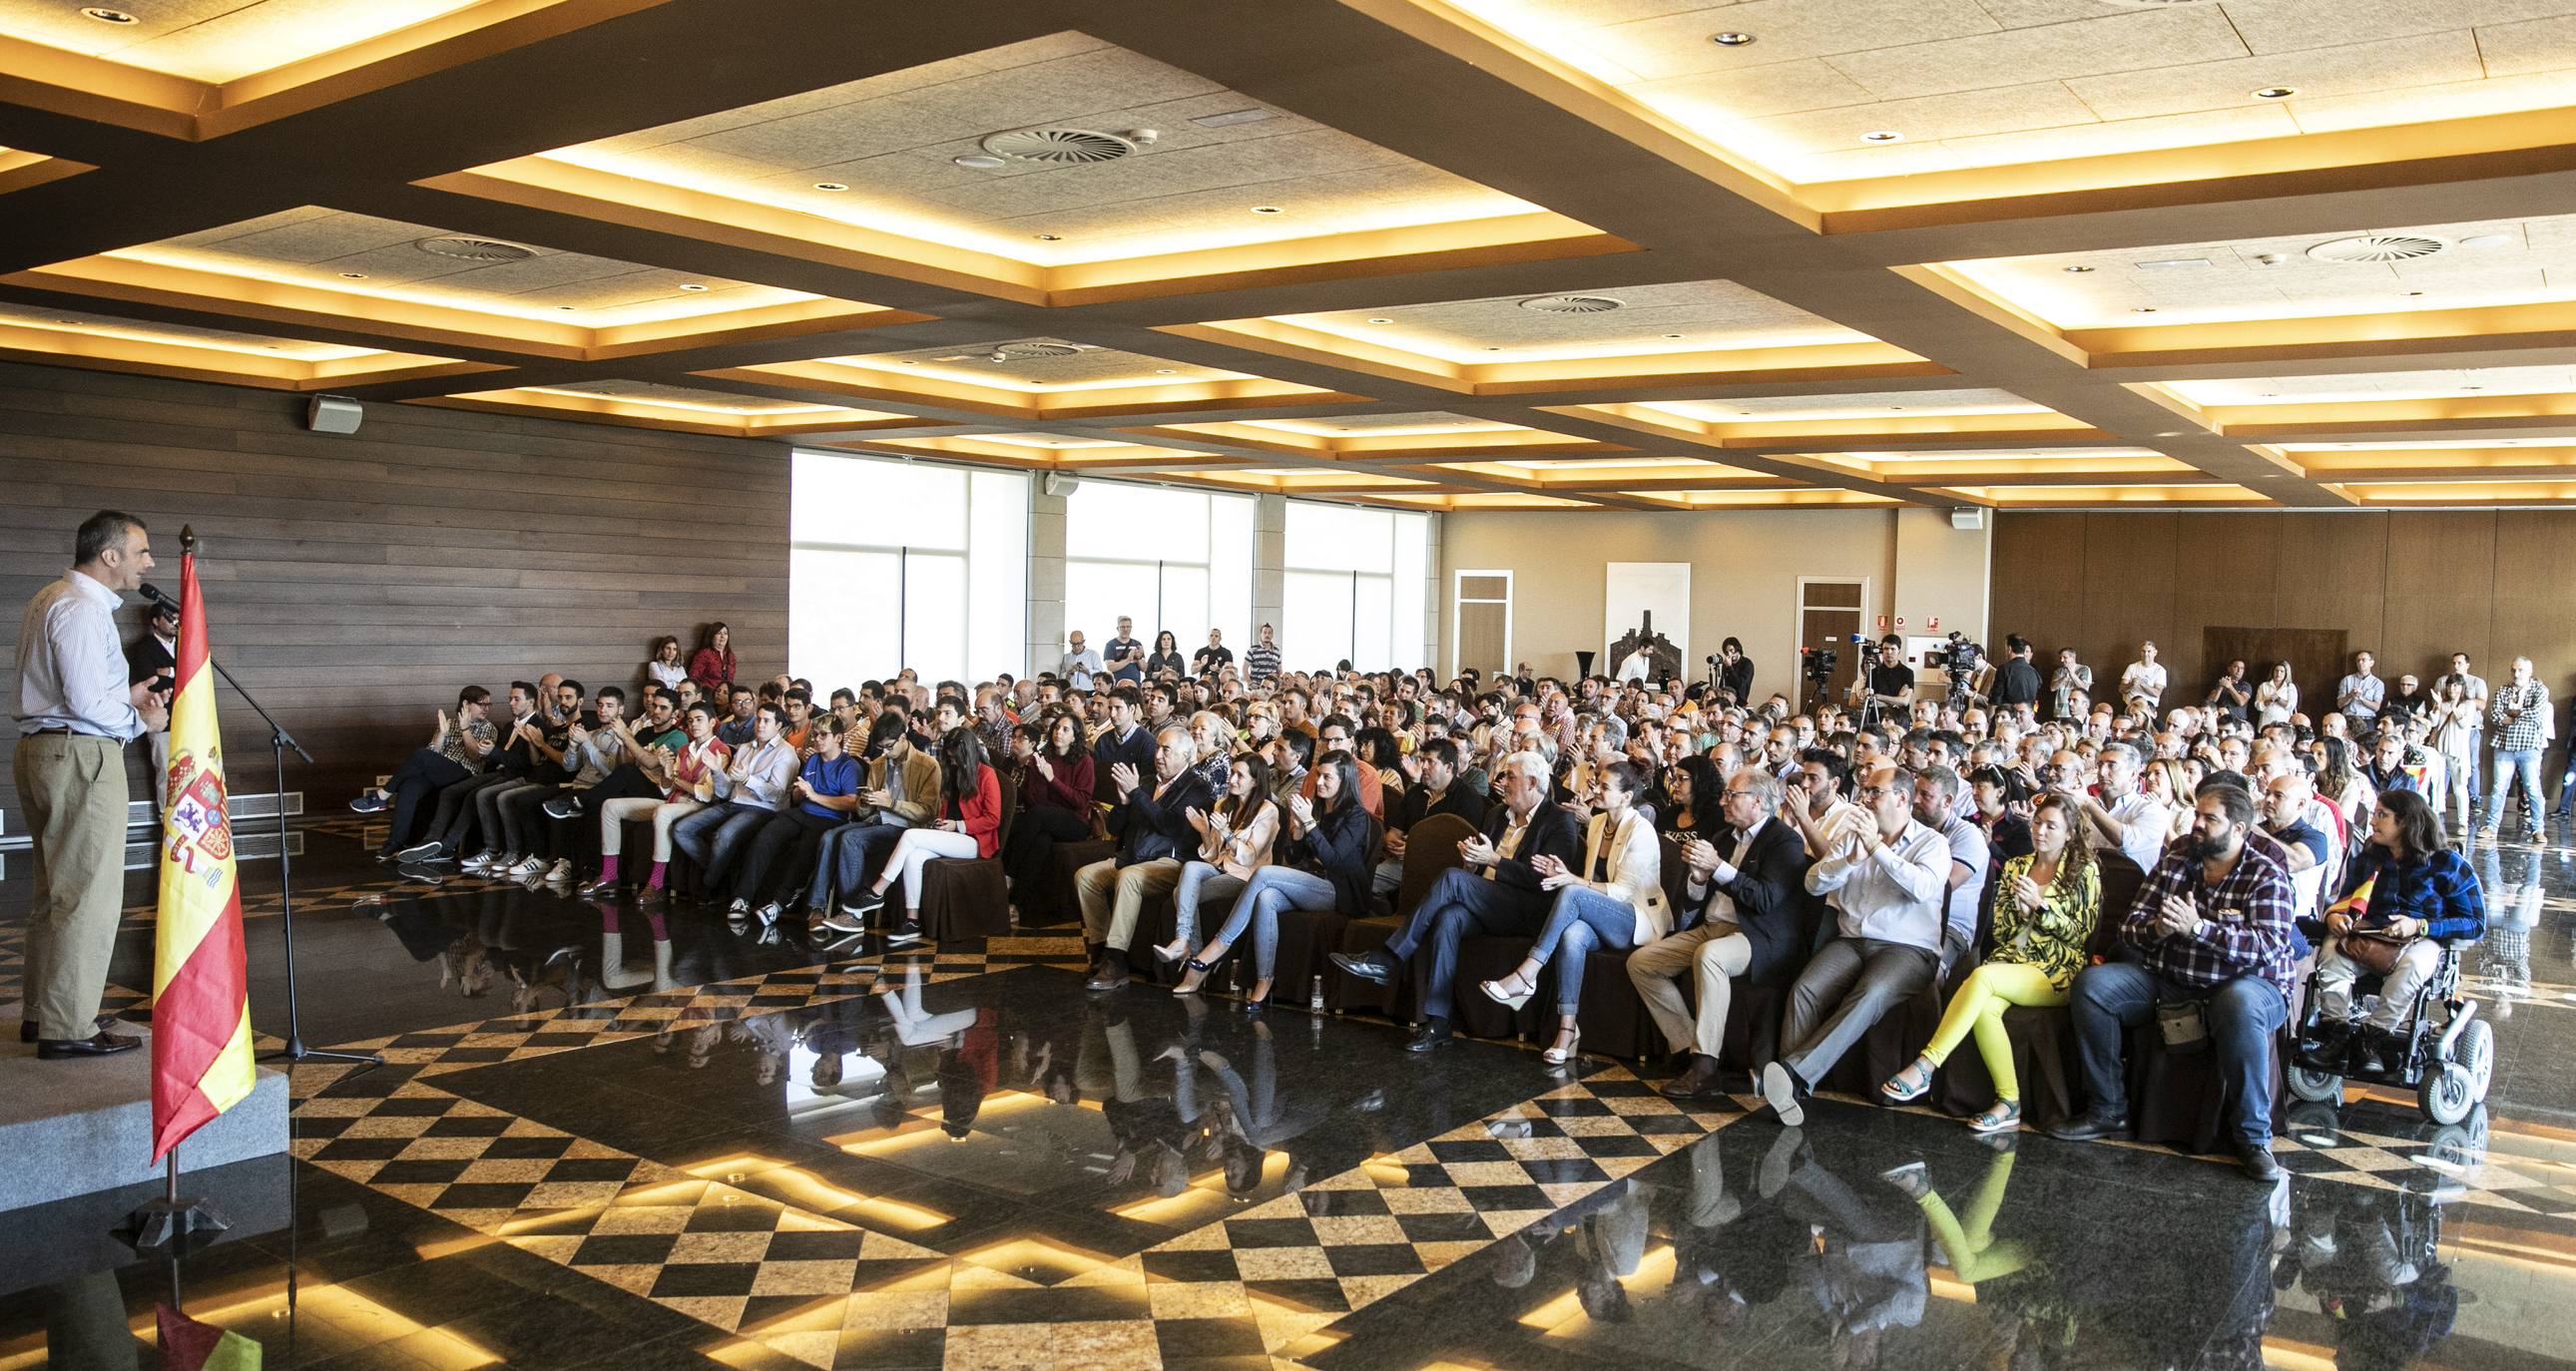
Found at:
[161, 1221]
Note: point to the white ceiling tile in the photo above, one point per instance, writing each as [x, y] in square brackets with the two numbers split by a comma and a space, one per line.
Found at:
[2359, 68]
[2297, 25]
[1679, 45]
[1753, 92]
[2135, 41]
[2046, 104]
[2532, 46]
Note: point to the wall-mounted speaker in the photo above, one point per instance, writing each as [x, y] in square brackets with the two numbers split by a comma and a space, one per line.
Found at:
[1059, 483]
[331, 414]
[1967, 518]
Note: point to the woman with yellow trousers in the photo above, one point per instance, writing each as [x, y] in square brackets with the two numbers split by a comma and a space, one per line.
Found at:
[2045, 906]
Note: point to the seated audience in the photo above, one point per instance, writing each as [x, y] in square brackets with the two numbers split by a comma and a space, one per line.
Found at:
[2408, 898]
[1236, 837]
[1498, 892]
[687, 776]
[1326, 866]
[2045, 906]
[750, 790]
[1888, 885]
[1153, 834]
[969, 828]
[901, 786]
[1747, 920]
[826, 789]
[455, 751]
[1614, 899]
[2211, 926]
[1056, 804]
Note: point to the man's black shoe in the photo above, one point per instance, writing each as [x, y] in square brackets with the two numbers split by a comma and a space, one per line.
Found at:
[1430, 1037]
[102, 1044]
[2088, 1126]
[1368, 966]
[27, 1027]
[2257, 1161]
[1698, 1082]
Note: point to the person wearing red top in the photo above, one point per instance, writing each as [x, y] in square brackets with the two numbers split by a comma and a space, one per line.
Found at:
[1055, 802]
[712, 664]
[970, 826]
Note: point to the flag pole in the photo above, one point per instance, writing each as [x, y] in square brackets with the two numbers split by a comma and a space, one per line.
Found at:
[160, 1221]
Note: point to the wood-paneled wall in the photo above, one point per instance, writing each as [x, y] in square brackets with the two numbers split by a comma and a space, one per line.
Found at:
[354, 583]
[2410, 586]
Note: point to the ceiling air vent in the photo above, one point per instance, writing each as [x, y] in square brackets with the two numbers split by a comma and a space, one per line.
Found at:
[475, 249]
[2378, 247]
[1573, 304]
[1060, 147]
[1021, 352]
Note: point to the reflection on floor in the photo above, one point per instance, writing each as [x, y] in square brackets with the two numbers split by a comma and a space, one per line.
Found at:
[603, 1138]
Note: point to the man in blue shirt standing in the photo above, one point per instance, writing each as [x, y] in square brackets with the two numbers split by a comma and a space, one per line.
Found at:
[76, 712]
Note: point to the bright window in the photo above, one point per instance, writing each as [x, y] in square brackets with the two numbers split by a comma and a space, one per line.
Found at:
[1167, 559]
[1353, 589]
[897, 564]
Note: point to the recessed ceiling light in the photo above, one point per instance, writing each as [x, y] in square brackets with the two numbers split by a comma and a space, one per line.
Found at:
[1050, 237]
[353, 276]
[2142, 309]
[1672, 335]
[913, 362]
[1166, 371]
[1268, 209]
[830, 185]
[2076, 270]
[1730, 39]
[1381, 320]
[565, 308]
[105, 15]
[2172, 264]
[1493, 349]
[1881, 136]
[2276, 92]
[691, 286]
[2486, 240]
[2414, 293]
[979, 161]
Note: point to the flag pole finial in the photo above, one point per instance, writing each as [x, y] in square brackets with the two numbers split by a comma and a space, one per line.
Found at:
[187, 538]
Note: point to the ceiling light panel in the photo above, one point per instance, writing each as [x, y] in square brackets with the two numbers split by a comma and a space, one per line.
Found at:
[2478, 263]
[685, 398]
[219, 40]
[314, 247]
[78, 323]
[1709, 315]
[1033, 364]
[1892, 405]
[1988, 85]
[2386, 385]
[894, 140]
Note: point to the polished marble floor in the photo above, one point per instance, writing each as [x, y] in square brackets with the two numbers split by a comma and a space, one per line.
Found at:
[594, 1147]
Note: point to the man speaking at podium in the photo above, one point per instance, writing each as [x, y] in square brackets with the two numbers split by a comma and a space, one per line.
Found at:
[76, 712]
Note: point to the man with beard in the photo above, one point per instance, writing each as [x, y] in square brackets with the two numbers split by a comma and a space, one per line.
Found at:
[2211, 923]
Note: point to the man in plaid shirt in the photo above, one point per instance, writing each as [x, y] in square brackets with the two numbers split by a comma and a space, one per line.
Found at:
[2519, 725]
[2212, 923]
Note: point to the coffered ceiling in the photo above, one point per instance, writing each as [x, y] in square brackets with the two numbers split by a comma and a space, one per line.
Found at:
[1447, 254]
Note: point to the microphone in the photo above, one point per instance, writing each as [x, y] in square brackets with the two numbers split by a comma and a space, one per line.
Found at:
[153, 593]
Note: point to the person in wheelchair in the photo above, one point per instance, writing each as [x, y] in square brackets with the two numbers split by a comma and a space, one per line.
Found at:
[2416, 897]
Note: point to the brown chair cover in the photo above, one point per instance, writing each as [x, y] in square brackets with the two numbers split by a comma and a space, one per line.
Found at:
[965, 897]
[1430, 847]
[1059, 903]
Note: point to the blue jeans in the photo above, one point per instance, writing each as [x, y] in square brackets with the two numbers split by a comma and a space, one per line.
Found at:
[1271, 889]
[1581, 920]
[847, 860]
[712, 835]
[1462, 901]
[2510, 766]
[1200, 881]
[2244, 1014]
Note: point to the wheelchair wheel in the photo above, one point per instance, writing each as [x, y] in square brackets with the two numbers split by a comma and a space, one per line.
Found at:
[2476, 1052]
[2313, 1086]
[2448, 1092]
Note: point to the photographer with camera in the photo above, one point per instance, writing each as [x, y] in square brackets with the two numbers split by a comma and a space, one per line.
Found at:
[1961, 662]
[1732, 672]
[1888, 684]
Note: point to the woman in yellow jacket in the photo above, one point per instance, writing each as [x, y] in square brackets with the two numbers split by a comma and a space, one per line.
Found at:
[1616, 900]
[2045, 907]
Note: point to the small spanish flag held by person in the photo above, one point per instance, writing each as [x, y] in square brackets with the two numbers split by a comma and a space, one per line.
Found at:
[187, 1345]
[2356, 904]
[201, 1047]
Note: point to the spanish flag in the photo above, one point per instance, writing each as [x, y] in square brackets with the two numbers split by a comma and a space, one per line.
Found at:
[201, 1057]
[2356, 904]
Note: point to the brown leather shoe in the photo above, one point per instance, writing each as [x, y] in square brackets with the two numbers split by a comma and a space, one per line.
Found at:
[97, 1045]
[1697, 1083]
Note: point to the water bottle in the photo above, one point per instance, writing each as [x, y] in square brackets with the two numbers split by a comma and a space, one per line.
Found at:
[1315, 998]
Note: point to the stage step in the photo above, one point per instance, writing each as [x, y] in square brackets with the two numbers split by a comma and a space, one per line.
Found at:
[85, 1125]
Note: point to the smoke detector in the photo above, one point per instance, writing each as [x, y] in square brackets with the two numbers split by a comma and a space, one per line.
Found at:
[475, 249]
[1023, 352]
[1573, 304]
[1064, 147]
[2379, 247]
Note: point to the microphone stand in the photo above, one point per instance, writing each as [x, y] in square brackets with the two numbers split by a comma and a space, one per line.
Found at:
[279, 740]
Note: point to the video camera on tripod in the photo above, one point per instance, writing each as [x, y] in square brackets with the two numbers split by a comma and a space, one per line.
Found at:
[1958, 661]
